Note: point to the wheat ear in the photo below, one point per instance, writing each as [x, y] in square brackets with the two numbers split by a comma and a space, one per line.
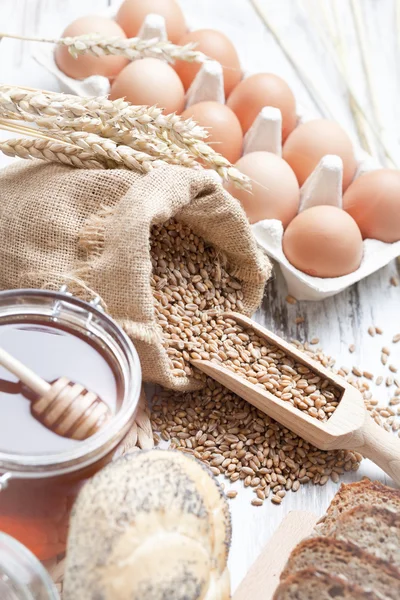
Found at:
[117, 120]
[104, 151]
[51, 151]
[132, 48]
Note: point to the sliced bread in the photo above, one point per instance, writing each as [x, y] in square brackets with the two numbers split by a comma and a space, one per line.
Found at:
[375, 529]
[310, 584]
[345, 559]
[371, 493]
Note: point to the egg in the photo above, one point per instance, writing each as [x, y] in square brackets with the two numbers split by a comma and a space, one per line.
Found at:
[323, 241]
[257, 91]
[309, 142]
[373, 200]
[225, 133]
[150, 81]
[86, 65]
[215, 45]
[275, 192]
[133, 12]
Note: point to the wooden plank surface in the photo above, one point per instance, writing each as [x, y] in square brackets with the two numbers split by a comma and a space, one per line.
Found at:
[263, 576]
[337, 321]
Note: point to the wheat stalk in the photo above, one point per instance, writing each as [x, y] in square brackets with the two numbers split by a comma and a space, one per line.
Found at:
[313, 90]
[132, 48]
[145, 130]
[335, 47]
[309, 85]
[359, 26]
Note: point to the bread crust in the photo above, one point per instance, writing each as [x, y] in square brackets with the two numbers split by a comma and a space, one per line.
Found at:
[340, 558]
[327, 586]
[353, 494]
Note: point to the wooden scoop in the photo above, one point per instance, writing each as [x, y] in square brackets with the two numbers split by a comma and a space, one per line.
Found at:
[66, 408]
[350, 426]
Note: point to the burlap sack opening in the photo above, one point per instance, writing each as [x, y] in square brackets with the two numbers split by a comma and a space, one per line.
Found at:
[90, 230]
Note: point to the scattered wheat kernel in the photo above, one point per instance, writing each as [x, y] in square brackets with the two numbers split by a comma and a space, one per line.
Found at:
[389, 381]
[299, 320]
[396, 338]
[386, 350]
[356, 372]
[368, 375]
[352, 348]
[394, 281]
[231, 493]
[371, 330]
[393, 368]
[276, 499]
[257, 502]
[314, 341]
[378, 330]
[397, 383]
[384, 359]
[291, 300]
[379, 380]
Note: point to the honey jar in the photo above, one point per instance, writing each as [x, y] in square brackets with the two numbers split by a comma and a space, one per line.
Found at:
[22, 577]
[41, 472]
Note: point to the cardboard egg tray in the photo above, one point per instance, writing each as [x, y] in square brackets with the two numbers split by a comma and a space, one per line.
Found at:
[323, 186]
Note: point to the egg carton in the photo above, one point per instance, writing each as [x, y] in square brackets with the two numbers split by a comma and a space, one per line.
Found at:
[323, 186]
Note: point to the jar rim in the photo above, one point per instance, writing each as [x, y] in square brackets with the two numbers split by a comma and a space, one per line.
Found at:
[96, 446]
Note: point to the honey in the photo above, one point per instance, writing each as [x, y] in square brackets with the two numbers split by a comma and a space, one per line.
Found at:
[41, 471]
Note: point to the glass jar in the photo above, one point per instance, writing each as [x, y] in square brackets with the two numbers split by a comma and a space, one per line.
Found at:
[22, 577]
[37, 489]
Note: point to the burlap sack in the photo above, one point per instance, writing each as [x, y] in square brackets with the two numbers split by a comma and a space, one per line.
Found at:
[90, 230]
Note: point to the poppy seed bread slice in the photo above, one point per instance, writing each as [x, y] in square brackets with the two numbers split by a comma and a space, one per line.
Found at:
[150, 526]
[371, 493]
[344, 559]
[310, 584]
[375, 529]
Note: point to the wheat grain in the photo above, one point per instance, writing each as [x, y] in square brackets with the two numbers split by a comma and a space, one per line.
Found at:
[246, 444]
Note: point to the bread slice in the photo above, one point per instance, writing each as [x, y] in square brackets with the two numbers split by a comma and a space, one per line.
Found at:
[375, 529]
[371, 493]
[345, 559]
[311, 584]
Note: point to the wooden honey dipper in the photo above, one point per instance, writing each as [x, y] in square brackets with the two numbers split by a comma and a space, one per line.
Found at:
[66, 408]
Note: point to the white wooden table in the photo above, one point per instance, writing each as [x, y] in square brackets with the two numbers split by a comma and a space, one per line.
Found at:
[338, 321]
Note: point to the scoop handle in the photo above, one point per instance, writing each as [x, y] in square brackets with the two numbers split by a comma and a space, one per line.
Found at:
[382, 447]
[24, 373]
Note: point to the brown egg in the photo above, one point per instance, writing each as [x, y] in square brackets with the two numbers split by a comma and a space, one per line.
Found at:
[217, 46]
[86, 65]
[225, 133]
[133, 12]
[323, 241]
[309, 142]
[150, 81]
[275, 192]
[257, 91]
[373, 200]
